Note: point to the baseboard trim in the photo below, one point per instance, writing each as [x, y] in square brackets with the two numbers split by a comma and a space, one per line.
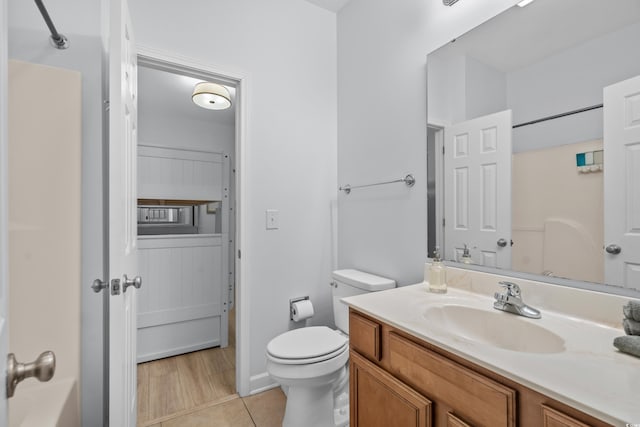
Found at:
[261, 382]
[176, 351]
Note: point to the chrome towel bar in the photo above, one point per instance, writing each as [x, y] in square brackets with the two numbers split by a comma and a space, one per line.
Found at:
[409, 180]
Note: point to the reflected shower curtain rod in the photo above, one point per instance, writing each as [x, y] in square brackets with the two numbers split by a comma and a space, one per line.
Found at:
[557, 116]
[59, 41]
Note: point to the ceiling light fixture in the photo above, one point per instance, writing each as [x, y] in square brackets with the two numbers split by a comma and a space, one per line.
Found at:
[211, 96]
[523, 3]
[448, 2]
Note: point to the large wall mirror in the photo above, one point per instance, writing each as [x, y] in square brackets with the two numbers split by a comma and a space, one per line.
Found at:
[534, 144]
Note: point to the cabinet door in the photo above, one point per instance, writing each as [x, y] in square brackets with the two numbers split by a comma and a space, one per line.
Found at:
[453, 421]
[380, 400]
[553, 418]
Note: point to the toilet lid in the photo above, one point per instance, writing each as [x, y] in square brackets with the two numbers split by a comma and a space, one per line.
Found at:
[306, 343]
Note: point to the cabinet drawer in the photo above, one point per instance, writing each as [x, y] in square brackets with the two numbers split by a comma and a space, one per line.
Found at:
[553, 418]
[475, 398]
[364, 336]
[380, 400]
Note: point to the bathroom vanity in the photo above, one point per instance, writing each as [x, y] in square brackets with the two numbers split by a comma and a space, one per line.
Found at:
[420, 359]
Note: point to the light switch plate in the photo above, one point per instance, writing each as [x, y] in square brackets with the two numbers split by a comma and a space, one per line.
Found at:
[273, 222]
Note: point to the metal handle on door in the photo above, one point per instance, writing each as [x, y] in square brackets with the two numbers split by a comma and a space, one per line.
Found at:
[136, 282]
[613, 249]
[42, 368]
[99, 285]
[502, 243]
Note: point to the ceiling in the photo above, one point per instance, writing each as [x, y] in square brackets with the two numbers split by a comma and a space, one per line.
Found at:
[524, 35]
[169, 94]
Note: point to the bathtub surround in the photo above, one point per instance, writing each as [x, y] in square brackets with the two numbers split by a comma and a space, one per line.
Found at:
[44, 233]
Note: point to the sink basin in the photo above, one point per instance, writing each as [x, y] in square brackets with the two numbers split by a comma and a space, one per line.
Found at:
[493, 328]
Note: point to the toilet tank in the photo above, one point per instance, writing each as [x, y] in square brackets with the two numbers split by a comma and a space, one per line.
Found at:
[349, 282]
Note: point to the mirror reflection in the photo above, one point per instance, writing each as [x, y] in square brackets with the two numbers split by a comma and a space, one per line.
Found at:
[537, 112]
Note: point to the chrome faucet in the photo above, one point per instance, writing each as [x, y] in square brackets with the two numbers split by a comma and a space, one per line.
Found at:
[511, 301]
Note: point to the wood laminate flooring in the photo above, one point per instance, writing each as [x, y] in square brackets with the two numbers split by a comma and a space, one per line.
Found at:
[198, 390]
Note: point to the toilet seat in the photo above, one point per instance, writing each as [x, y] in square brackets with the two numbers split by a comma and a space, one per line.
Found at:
[306, 345]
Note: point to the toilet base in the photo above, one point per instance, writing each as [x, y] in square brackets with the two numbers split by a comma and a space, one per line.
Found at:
[309, 406]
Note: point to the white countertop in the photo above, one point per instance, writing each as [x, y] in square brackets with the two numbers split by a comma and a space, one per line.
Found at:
[590, 374]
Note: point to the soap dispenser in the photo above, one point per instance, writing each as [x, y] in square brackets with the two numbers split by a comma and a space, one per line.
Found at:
[466, 256]
[437, 274]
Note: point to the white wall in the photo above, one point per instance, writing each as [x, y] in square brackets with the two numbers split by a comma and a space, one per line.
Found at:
[162, 130]
[287, 48]
[382, 48]
[29, 41]
[486, 89]
[567, 81]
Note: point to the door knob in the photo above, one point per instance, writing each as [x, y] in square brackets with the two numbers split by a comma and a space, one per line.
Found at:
[502, 243]
[99, 285]
[613, 249]
[136, 282]
[42, 368]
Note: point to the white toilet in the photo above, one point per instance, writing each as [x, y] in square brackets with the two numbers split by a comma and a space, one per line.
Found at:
[312, 362]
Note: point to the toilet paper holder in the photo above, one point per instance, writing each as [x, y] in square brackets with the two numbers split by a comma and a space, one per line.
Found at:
[292, 301]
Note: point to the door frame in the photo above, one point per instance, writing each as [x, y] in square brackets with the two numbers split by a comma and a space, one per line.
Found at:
[438, 141]
[167, 61]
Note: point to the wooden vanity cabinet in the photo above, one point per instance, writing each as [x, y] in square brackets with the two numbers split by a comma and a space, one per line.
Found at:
[398, 380]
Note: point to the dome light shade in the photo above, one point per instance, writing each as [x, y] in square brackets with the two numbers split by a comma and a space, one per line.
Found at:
[211, 96]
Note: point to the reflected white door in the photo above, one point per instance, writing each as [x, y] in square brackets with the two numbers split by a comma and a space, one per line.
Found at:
[122, 220]
[622, 183]
[4, 211]
[477, 182]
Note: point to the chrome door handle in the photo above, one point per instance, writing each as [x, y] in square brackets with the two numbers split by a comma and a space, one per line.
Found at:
[99, 285]
[42, 368]
[136, 282]
[502, 243]
[613, 249]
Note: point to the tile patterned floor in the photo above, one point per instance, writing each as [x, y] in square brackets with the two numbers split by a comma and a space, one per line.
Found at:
[261, 410]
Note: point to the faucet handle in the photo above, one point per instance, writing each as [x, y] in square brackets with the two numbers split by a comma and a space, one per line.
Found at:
[512, 289]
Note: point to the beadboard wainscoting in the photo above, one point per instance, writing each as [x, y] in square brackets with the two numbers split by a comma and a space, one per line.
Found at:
[183, 306]
[179, 174]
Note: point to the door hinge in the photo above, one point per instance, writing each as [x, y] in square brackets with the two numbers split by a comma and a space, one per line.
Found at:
[443, 150]
[443, 222]
[239, 254]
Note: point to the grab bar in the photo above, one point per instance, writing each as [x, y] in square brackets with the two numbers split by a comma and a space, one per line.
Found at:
[409, 180]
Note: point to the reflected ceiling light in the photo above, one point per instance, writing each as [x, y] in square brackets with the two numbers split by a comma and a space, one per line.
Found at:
[211, 96]
[448, 2]
[523, 3]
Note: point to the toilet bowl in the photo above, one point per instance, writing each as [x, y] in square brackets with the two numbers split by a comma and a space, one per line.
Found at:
[309, 372]
[312, 362]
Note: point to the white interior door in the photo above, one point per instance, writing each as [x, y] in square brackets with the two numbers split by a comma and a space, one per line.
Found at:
[477, 181]
[622, 183]
[122, 216]
[4, 210]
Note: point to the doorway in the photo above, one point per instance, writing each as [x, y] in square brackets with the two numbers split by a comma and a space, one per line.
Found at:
[193, 156]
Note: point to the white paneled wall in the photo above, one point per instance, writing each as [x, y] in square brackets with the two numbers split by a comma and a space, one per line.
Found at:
[182, 306]
[179, 174]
